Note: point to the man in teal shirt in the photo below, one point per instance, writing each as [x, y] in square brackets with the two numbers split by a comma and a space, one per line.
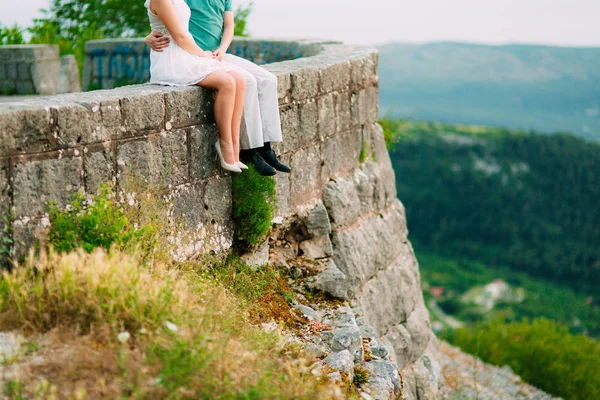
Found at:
[212, 26]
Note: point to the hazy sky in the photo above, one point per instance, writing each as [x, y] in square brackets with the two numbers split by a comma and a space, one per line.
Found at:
[560, 22]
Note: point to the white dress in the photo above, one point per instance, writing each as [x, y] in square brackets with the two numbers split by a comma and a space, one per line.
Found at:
[175, 66]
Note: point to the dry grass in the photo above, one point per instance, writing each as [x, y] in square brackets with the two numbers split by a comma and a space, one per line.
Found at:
[190, 337]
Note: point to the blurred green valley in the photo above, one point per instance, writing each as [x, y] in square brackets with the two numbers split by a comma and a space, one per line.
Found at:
[547, 89]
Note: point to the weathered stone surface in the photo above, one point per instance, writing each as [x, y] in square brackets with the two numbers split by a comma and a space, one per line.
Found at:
[316, 248]
[342, 202]
[305, 83]
[257, 258]
[335, 77]
[305, 166]
[363, 70]
[343, 117]
[36, 182]
[398, 285]
[326, 117]
[333, 282]
[384, 381]
[368, 105]
[342, 361]
[4, 201]
[371, 246]
[160, 160]
[409, 339]
[73, 124]
[283, 190]
[309, 116]
[217, 197]
[203, 156]
[375, 185]
[347, 337]
[189, 106]
[23, 128]
[27, 234]
[308, 312]
[143, 110]
[44, 75]
[68, 78]
[290, 126]
[106, 120]
[100, 168]
[318, 221]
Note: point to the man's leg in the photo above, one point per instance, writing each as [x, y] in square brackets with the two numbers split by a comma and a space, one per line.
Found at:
[269, 109]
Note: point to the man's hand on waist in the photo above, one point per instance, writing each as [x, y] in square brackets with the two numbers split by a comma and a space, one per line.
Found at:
[157, 41]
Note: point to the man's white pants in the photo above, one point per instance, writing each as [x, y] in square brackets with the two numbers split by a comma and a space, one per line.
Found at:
[261, 107]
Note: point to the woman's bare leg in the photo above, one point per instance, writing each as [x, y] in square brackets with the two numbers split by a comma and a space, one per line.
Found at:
[225, 86]
[240, 93]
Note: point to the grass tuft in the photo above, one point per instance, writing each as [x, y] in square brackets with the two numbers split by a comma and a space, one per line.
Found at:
[254, 203]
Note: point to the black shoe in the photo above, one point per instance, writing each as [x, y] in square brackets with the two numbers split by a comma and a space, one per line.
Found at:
[271, 158]
[252, 157]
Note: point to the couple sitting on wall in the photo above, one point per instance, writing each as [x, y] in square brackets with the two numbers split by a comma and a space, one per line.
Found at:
[189, 40]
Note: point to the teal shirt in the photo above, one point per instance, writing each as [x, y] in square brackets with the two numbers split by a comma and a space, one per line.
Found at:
[206, 22]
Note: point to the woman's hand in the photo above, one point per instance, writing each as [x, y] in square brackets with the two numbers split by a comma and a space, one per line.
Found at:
[219, 53]
[207, 54]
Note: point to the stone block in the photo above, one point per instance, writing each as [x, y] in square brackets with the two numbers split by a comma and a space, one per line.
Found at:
[362, 250]
[23, 71]
[335, 77]
[5, 199]
[309, 117]
[284, 86]
[68, 78]
[2, 72]
[203, 156]
[341, 153]
[327, 116]
[318, 221]
[100, 168]
[282, 189]
[11, 71]
[45, 76]
[306, 169]
[363, 70]
[348, 338]
[189, 106]
[160, 160]
[27, 233]
[24, 87]
[368, 105]
[24, 128]
[217, 198]
[376, 186]
[143, 111]
[36, 182]
[316, 248]
[106, 120]
[333, 282]
[342, 361]
[290, 125]
[73, 124]
[384, 380]
[305, 83]
[188, 206]
[342, 202]
[354, 111]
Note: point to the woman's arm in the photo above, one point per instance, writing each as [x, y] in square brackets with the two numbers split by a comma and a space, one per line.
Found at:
[228, 28]
[166, 12]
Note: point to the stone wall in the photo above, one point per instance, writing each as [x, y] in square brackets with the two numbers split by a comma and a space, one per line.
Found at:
[37, 69]
[118, 62]
[341, 171]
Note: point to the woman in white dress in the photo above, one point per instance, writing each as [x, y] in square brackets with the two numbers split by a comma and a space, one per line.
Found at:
[183, 63]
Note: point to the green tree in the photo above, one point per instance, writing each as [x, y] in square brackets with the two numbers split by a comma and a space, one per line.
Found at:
[12, 35]
[241, 19]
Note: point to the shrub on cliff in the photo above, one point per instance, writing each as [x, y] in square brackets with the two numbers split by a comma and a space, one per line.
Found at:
[253, 206]
[87, 225]
[542, 352]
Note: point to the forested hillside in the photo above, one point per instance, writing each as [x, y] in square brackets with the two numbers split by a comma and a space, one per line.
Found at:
[544, 88]
[524, 200]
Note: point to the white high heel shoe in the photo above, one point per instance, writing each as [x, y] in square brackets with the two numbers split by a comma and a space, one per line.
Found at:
[241, 165]
[224, 165]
